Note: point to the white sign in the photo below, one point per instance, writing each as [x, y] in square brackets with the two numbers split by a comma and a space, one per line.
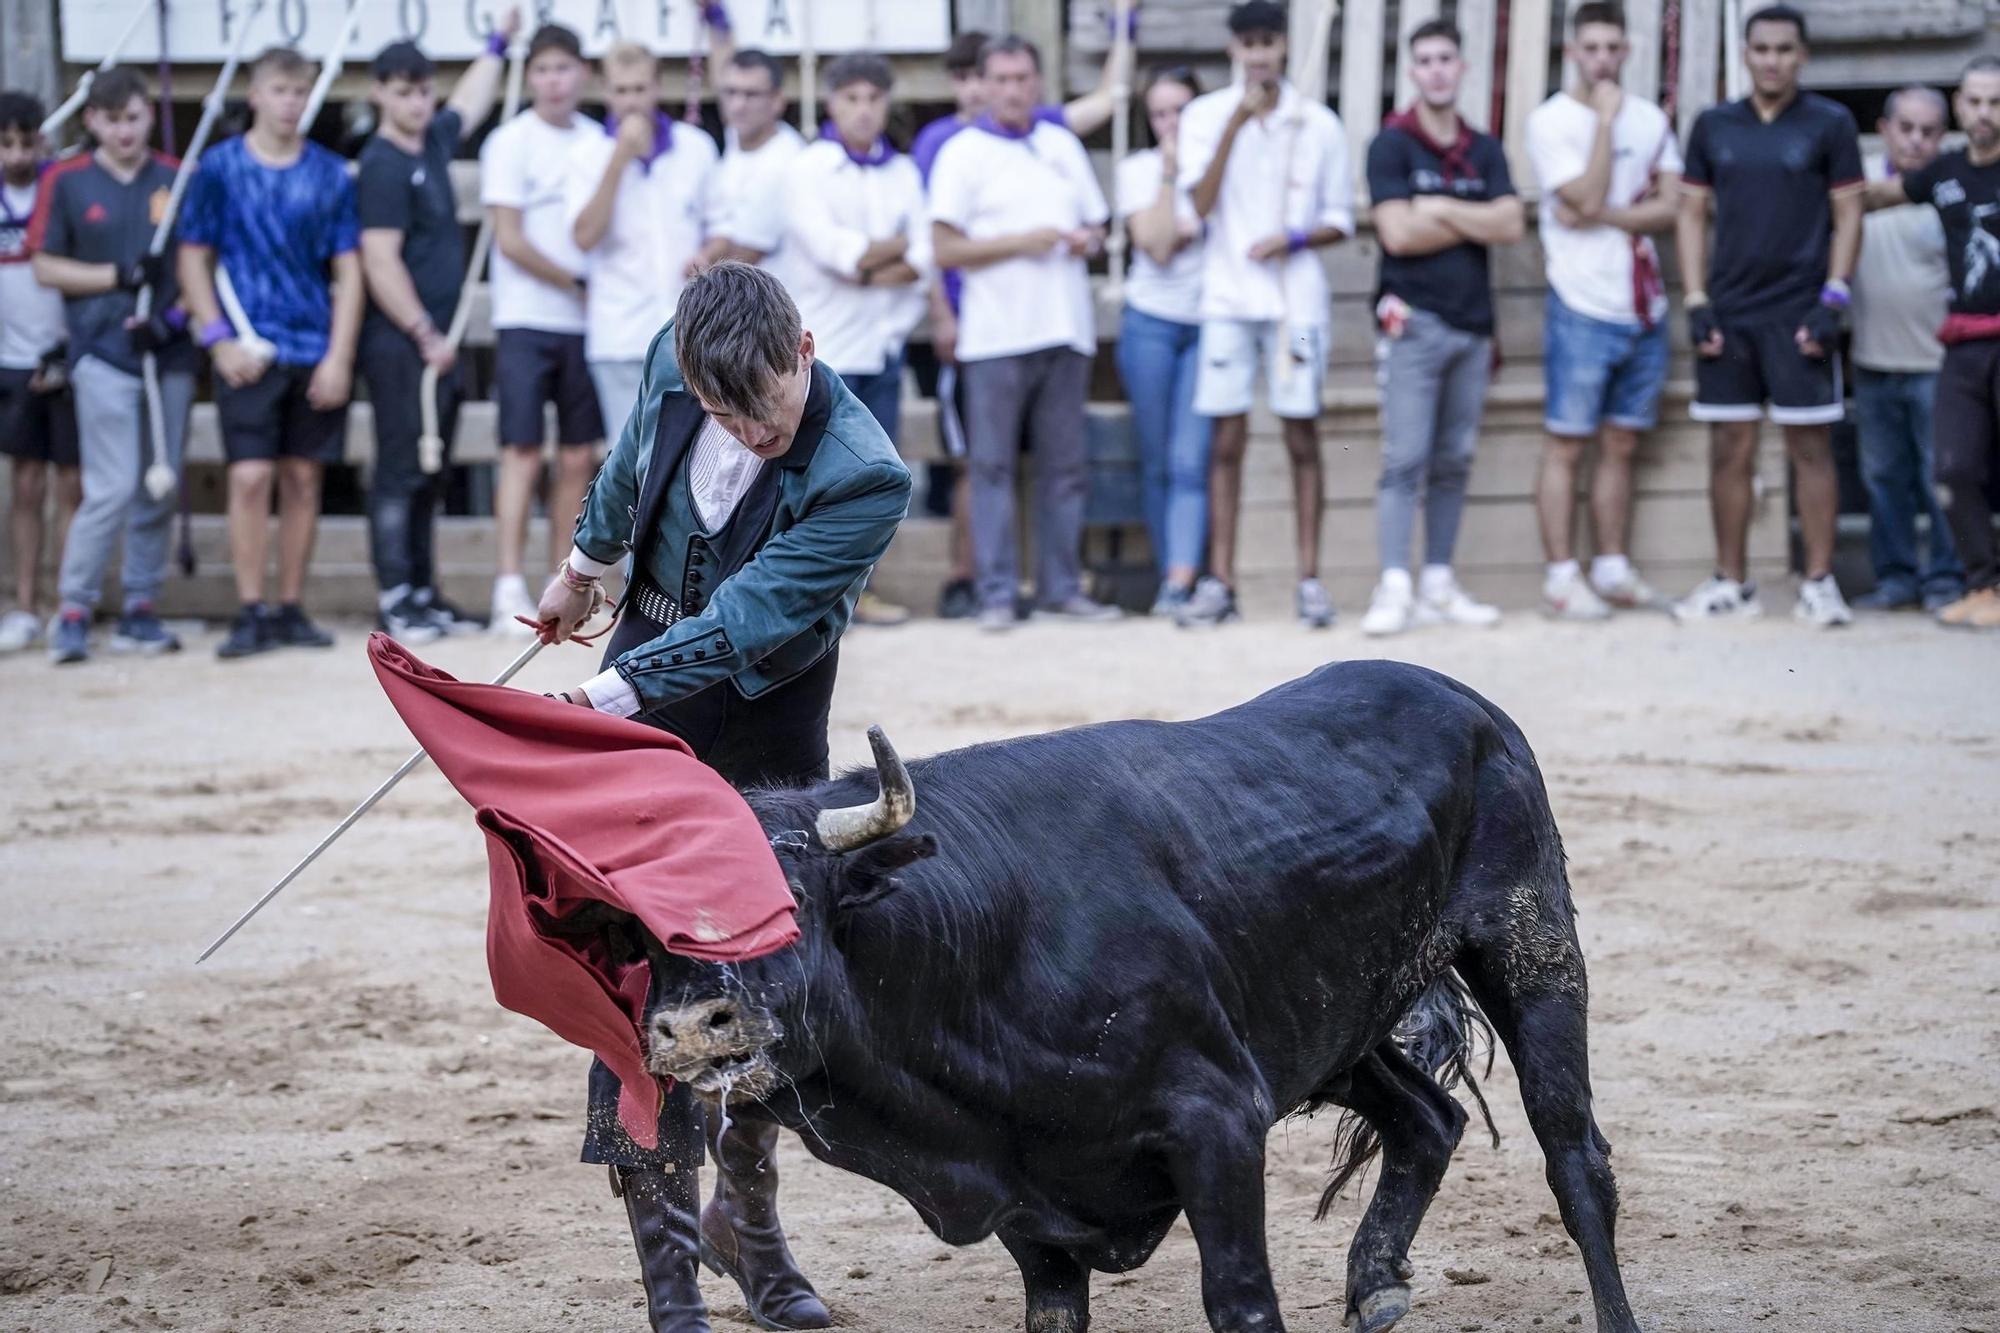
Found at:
[202, 31]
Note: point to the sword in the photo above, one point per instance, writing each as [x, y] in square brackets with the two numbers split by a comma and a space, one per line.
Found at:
[368, 803]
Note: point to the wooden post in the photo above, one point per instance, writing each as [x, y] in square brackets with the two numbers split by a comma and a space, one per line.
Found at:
[1642, 30]
[1410, 15]
[28, 49]
[1041, 22]
[1361, 31]
[1527, 77]
[808, 74]
[1476, 20]
[1701, 56]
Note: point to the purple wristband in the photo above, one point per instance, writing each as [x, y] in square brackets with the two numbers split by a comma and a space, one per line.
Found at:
[716, 15]
[1131, 23]
[496, 44]
[215, 331]
[176, 319]
[1296, 240]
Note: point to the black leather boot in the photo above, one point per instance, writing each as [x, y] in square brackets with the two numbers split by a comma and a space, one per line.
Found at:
[741, 1238]
[660, 1205]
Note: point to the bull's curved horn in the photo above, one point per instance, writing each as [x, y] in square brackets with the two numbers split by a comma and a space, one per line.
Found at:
[855, 826]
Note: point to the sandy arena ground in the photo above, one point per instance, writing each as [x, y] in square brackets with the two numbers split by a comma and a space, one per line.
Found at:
[1782, 842]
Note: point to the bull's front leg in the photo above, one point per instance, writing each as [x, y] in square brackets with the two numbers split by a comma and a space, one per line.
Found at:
[1058, 1286]
[1221, 1186]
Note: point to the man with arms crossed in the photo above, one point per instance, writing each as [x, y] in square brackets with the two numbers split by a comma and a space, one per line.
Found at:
[1964, 187]
[753, 493]
[1782, 169]
[1609, 171]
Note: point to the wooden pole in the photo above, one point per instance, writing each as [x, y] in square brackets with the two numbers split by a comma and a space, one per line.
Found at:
[808, 73]
[1701, 51]
[1121, 143]
[1361, 33]
[1527, 77]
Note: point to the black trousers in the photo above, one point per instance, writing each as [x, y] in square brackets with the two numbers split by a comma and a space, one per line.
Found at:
[1965, 426]
[776, 740]
[402, 497]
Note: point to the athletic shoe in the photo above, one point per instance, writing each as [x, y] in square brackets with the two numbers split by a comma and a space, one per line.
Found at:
[872, 610]
[449, 617]
[511, 599]
[1211, 603]
[1569, 596]
[410, 624]
[69, 638]
[1978, 609]
[1392, 606]
[1720, 598]
[1440, 601]
[997, 619]
[140, 631]
[1888, 597]
[958, 600]
[249, 634]
[290, 627]
[1937, 599]
[1314, 607]
[1627, 592]
[1168, 602]
[1081, 610]
[1821, 604]
[18, 630]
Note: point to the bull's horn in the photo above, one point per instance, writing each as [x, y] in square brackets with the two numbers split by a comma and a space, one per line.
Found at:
[855, 826]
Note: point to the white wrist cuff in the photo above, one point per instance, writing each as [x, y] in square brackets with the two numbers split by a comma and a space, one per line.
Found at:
[610, 693]
[585, 566]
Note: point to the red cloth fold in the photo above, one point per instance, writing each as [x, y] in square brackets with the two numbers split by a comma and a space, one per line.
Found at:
[579, 807]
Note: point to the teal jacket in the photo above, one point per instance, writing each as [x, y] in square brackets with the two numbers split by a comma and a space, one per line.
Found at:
[782, 591]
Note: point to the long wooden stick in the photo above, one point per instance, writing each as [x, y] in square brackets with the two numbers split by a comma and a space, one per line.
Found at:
[71, 105]
[1117, 243]
[808, 73]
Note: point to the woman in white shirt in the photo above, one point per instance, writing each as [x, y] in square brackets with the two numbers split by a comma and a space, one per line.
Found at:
[1158, 341]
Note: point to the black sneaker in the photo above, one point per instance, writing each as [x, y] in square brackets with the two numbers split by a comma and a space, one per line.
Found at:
[140, 631]
[450, 618]
[957, 600]
[289, 628]
[409, 623]
[249, 634]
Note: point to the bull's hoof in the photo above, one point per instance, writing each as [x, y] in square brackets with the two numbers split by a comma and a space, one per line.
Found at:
[1379, 1309]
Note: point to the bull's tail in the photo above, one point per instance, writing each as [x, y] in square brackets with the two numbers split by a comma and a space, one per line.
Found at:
[1442, 1033]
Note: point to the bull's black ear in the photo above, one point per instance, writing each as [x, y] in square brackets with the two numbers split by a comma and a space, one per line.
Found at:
[869, 875]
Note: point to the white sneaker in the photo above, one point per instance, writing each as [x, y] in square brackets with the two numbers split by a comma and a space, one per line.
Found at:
[1821, 604]
[1627, 592]
[18, 630]
[1392, 605]
[1719, 598]
[510, 599]
[1569, 596]
[1441, 601]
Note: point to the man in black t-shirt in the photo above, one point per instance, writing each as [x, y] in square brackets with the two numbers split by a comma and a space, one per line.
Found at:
[1783, 170]
[1441, 196]
[1964, 187]
[413, 257]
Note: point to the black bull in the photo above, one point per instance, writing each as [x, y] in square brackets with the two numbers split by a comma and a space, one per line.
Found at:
[1069, 998]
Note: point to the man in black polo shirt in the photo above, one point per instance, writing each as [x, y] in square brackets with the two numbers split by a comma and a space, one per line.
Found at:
[413, 257]
[1783, 168]
[1964, 187]
[1442, 196]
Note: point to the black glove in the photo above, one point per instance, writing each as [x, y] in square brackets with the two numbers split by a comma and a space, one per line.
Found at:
[1701, 325]
[145, 271]
[154, 334]
[1822, 325]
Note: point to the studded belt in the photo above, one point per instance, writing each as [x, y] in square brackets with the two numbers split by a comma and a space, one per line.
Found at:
[654, 605]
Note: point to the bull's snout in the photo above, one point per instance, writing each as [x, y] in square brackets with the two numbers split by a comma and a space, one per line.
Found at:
[717, 1046]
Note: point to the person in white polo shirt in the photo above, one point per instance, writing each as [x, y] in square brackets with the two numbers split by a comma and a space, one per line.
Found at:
[1610, 173]
[1015, 204]
[747, 221]
[638, 197]
[1269, 173]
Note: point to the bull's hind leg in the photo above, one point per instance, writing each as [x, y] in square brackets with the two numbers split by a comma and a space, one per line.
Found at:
[1530, 982]
[1058, 1286]
[1418, 1124]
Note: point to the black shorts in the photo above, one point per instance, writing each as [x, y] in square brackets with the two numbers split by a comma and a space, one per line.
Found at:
[271, 419]
[532, 368]
[36, 427]
[1761, 367]
[388, 364]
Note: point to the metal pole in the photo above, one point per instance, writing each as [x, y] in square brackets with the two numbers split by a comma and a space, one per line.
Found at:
[368, 803]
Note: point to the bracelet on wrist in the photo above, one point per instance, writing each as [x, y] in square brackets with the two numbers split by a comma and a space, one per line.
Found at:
[216, 330]
[1297, 240]
[574, 581]
[496, 45]
[1835, 294]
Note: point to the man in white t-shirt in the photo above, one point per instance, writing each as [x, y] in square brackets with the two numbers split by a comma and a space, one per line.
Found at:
[1268, 172]
[747, 211]
[1609, 171]
[538, 313]
[638, 197]
[1015, 204]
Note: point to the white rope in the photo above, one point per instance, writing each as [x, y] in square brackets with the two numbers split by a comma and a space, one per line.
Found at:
[1115, 245]
[61, 115]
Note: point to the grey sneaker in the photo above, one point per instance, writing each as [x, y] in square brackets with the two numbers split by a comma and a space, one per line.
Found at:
[1081, 610]
[140, 631]
[1212, 603]
[1168, 603]
[69, 638]
[1314, 607]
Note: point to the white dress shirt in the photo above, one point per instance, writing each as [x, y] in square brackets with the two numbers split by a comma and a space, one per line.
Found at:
[836, 209]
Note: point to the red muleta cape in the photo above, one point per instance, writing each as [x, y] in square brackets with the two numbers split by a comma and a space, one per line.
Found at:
[579, 807]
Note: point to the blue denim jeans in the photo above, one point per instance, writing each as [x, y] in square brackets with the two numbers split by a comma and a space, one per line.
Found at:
[1893, 412]
[1158, 359]
[1597, 372]
[882, 394]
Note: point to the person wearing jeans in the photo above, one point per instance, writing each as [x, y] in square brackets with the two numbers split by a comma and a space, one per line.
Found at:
[1159, 343]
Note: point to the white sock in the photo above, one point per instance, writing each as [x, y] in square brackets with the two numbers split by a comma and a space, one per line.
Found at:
[1609, 569]
[388, 597]
[1437, 581]
[1559, 570]
[510, 583]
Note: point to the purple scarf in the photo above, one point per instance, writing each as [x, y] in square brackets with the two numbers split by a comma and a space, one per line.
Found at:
[663, 136]
[876, 156]
[986, 122]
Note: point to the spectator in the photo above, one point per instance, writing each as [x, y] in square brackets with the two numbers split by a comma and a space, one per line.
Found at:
[1964, 187]
[37, 414]
[1159, 341]
[1609, 170]
[639, 197]
[94, 222]
[1782, 169]
[1902, 287]
[538, 314]
[748, 205]
[1017, 206]
[1268, 173]
[413, 256]
[936, 371]
[276, 210]
[1442, 197]
[860, 241]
